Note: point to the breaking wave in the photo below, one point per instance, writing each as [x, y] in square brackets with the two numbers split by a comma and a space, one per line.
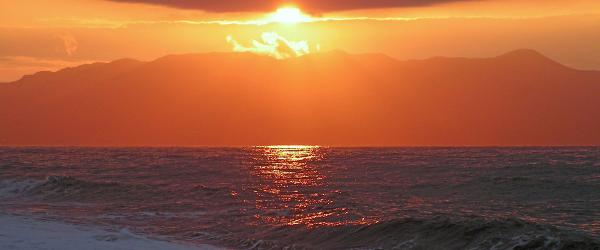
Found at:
[69, 188]
[440, 232]
[433, 233]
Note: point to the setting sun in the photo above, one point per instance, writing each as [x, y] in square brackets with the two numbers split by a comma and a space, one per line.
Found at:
[299, 124]
[289, 15]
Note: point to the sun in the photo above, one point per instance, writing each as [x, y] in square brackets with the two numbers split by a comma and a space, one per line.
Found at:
[289, 15]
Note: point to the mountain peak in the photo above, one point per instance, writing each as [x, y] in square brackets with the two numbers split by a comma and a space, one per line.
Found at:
[529, 57]
[523, 53]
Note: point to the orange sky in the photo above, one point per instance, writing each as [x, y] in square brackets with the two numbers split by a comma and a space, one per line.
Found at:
[48, 35]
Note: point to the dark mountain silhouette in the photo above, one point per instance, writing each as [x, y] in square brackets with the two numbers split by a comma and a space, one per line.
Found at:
[519, 98]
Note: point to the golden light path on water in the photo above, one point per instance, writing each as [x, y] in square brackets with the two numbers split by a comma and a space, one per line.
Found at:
[292, 189]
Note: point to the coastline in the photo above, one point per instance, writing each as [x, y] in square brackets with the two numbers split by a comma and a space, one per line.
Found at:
[28, 233]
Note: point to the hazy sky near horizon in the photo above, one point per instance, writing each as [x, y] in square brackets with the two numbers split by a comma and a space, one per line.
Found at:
[48, 35]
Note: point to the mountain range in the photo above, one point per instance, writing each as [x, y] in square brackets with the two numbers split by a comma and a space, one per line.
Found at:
[520, 98]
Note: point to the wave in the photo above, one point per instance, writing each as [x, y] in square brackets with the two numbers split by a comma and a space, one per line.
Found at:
[65, 187]
[433, 233]
[70, 188]
[12, 188]
[439, 232]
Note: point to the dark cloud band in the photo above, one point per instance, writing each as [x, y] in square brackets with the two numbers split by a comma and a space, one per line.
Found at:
[269, 5]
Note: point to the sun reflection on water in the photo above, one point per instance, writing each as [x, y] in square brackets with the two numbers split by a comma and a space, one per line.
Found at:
[291, 187]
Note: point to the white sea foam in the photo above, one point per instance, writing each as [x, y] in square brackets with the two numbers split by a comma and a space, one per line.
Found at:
[32, 234]
[10, 188]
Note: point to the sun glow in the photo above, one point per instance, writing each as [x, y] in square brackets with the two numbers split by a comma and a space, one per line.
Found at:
[289, 15]
[275, 45]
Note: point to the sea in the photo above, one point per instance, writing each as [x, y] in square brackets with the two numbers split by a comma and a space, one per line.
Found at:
[312, 197]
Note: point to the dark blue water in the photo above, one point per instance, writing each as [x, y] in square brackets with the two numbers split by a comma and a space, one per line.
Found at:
[318, 197]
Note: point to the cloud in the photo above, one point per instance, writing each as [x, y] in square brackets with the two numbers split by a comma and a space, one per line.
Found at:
[272, 44]
[70, 43]
[317, 6]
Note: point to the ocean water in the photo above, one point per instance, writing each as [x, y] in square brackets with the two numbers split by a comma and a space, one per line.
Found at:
[300, 197]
